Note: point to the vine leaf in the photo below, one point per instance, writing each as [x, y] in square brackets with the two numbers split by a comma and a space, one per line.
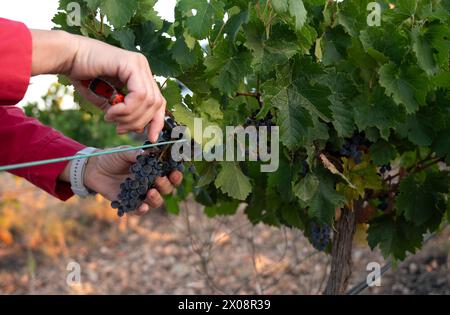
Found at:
[407, 87]
[330, 166]
[172, 94]
[235, 22]
[424, 51]
[207, 176]
[272, 52]
[126, 38]
[296, 9]
[306, 188]
[419, 200]
[228, 67]
[200, 24]
[394, 236]
[382, 152]
[326, 199]
[119, 12]
[377, 110]
[294, 119]
[233, 182]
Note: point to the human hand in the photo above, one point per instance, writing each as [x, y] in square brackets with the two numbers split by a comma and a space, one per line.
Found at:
[82, 58]
[104, 174]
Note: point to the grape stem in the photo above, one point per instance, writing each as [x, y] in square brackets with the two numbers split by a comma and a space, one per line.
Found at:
[256, 95]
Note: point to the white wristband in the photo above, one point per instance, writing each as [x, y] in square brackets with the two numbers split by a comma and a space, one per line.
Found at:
[77, 168]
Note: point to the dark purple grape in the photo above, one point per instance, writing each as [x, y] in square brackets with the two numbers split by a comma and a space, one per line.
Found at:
[180, 168]
[142, 190]
[141, 159]
[134, 184]
[115, 205]
[320, 235]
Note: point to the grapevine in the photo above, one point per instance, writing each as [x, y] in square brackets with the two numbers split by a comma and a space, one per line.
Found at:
[147, 168]
[363, 109]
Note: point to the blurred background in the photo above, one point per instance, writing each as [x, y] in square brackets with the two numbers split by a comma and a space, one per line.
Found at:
[189, 253]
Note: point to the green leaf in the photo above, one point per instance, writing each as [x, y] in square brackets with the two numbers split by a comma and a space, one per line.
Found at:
[200, 24]
[294, 119]
[93, 4]
[207, 176]
[424, 51]
[406, 86]
[281, 181]
[420, 200]
[343, 120]
[395, 237]
[172, 94]
[417, 130]
[384, 48]
[228, 66]
[126, 38]
[270, 53]
[440, 42]
[234, 24]
[185, 56]
[146, 12]
[222, 208]
[233, 182]
[382, 152]
[296, 9]
[119, 12]
[211, 108]
[442, 145]
[291, 216]
[154, 46]
[324, 202]
[306, 188]
[377, 110]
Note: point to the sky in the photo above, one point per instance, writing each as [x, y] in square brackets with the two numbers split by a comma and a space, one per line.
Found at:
[38, 14]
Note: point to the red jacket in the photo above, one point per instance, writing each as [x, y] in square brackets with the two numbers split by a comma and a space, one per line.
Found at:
[23, 139]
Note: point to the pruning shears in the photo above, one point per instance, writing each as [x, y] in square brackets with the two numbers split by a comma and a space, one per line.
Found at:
[104, 89]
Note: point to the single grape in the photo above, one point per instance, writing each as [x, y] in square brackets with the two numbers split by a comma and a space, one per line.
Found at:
[115, 204]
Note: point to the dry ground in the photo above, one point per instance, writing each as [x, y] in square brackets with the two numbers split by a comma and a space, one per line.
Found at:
[167, 254]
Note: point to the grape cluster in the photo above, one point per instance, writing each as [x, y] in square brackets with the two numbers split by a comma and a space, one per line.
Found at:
[320, 236]
[265, 122]
[385, 168]
[148, 167]
[383, 201]
[304, 168]
[351, 148]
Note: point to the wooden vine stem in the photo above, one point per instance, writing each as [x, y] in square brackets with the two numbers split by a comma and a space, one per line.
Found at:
[341, 253]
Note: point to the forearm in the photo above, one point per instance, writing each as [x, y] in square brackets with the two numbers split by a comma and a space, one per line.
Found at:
[53, 52]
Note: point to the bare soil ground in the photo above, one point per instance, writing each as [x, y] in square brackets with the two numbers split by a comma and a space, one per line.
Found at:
[193, 254]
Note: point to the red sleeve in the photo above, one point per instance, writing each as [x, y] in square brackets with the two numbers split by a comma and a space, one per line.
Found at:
[15, 61]
[24, 139]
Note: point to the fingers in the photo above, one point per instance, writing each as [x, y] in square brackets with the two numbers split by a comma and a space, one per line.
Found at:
[176, 178]
[163, 185]
[143, 104]
[157, 124]
[154, 199]
[143, 209]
